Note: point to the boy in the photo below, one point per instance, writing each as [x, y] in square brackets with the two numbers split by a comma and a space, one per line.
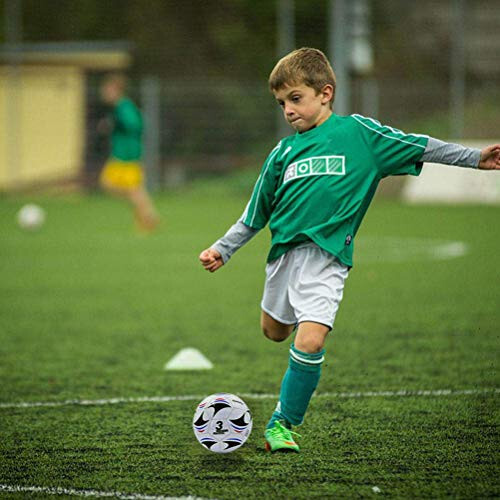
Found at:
[314, 190]
[123, 175]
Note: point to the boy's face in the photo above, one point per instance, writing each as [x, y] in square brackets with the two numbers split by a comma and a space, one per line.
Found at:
[110, 92]
[303, 108]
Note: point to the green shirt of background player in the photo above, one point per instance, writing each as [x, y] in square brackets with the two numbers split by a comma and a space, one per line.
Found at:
[314, 190]
[123, 174]
[126, 137]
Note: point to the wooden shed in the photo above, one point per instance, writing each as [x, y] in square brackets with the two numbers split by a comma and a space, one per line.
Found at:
[43, 108]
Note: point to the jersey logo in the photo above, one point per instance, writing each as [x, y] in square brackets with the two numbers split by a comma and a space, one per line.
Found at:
[317, 165]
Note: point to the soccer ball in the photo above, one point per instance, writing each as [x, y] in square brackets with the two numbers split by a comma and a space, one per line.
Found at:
[31, 216]
[222, 422]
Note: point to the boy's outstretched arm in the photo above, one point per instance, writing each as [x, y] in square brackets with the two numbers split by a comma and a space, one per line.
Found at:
[490, 158]
[438, 151]
[220, 252]
[254, 218]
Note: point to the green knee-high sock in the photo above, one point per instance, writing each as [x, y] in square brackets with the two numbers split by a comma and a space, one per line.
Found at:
[297, 387]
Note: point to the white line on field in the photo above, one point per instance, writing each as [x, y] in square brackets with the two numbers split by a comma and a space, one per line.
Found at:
[199, 397]
[404, 249]
[87, 493]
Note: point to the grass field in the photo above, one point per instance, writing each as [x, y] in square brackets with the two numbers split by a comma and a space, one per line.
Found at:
[90, 310]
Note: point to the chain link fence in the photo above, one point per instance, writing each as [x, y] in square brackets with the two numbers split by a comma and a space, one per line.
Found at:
[214, 125]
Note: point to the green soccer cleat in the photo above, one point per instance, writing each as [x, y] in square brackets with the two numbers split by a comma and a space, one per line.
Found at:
[279, 438]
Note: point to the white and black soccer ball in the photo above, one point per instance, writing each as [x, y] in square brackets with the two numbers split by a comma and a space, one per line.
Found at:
[222, 422]
[31, 217]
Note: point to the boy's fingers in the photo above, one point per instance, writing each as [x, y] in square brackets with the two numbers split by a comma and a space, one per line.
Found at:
[213, 266]
[209, 255]
[211, 259]
[491, 150]
[205, 256]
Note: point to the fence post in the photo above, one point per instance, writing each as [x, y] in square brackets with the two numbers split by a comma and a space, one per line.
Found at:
[286, 43]
[14, 34]
[339, 52]
[150, 90]
[457, 70]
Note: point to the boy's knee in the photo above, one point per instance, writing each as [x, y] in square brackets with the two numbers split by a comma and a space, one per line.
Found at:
[273, 334]
[309, 345]
[274, 330]
[311, 337]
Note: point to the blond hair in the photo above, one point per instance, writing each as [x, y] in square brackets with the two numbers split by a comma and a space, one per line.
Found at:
[303, 66]
[118, 80]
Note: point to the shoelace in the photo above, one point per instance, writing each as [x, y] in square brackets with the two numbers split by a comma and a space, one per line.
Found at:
[280, 430]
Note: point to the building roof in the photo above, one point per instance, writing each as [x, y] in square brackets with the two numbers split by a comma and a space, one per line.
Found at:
[95, 55]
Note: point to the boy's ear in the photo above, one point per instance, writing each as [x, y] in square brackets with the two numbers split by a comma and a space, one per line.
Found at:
[326, 94]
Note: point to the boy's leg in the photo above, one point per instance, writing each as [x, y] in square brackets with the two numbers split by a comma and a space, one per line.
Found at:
[303, 373]
[143, 206]
[126, 180]
[274, 330]
[311, 337]
[304, 285]
[113, 190]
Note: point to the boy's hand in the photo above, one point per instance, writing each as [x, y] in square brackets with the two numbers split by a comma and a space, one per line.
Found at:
[104, 126]
[211, 259]
[490, 158]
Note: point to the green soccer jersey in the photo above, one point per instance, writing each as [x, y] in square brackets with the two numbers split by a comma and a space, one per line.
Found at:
[317, 185]
[126, 138]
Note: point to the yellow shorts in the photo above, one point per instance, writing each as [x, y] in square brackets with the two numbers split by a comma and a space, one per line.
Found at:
[122, 174]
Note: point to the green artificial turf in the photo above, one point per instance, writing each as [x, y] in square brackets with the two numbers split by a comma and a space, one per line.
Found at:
[90, 309]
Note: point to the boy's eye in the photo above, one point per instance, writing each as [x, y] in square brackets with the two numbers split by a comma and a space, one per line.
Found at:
[281, 103]
[296, 98]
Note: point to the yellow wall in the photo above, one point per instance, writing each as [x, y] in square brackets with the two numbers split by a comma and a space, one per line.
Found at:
[42, 124]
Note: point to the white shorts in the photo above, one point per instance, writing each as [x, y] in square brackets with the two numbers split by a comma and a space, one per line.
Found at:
[304, 284]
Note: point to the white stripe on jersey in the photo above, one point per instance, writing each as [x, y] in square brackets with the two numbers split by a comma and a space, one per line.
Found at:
[261, 179]
[359, 119]
[244, 214]
[287, 150]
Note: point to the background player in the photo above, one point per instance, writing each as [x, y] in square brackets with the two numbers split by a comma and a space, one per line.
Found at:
[123, 174]
[314, 190]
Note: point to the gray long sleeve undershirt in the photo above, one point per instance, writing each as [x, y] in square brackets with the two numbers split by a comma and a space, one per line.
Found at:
[436, 152]
[451, 154]
[235, 238]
